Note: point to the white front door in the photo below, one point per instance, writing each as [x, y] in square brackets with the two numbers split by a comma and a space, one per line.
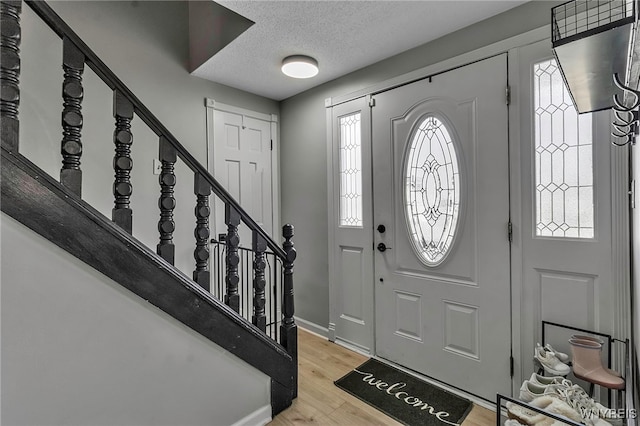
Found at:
[242, 162]
[441, 191]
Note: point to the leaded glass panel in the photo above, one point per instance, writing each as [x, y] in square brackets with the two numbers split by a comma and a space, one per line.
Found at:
[350, 171]
[432, 191]
[563, 158]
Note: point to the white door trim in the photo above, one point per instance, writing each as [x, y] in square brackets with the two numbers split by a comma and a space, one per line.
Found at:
[213, 105]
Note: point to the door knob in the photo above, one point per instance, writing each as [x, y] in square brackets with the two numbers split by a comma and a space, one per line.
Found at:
[381, 228]
[382, 247]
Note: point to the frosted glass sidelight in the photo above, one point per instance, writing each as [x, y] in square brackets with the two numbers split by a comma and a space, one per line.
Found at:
[563, 159]
[432, 191]
[350, 171]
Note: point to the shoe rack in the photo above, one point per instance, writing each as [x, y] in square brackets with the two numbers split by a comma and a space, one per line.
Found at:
[507, 406]
[607, 338]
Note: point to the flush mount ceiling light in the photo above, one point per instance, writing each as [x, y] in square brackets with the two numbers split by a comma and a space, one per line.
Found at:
[300, 66]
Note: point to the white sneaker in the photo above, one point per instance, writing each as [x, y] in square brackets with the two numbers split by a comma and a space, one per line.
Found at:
[549, 362]
[546, 381]
[530, 391]
[560, 355]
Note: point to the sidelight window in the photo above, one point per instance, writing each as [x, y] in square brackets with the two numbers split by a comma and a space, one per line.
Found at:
[350, 171]
[563, 159]
[432, 191]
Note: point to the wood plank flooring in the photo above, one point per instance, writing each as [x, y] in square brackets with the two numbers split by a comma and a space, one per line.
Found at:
[320, 402]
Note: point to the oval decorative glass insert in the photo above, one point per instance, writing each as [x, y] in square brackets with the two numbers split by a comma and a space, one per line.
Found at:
[432, 191]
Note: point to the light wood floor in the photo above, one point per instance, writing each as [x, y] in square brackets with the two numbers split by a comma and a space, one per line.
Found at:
[320, 402]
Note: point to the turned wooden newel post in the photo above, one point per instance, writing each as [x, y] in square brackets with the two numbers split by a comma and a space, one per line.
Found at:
[10, 74]
[202, 189]
[259, 318]
[122, 162]
[288, 329]
[72, 94]
[232, 259]
[166, 202]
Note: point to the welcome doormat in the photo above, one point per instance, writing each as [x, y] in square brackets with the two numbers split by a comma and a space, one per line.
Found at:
[407, 399]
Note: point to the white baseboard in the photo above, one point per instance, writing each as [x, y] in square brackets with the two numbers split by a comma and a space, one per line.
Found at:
[260, 417]
[312, 327]
[353, 346]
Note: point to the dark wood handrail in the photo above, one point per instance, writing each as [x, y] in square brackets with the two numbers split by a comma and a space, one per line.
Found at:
[53, 20]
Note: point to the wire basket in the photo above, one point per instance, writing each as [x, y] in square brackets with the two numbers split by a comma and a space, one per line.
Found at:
[582, 18]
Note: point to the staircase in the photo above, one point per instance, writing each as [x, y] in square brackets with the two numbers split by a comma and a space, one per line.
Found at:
[248, 312]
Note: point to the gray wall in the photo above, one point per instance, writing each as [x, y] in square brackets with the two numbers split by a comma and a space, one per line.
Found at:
[77, 348]
[303, 140]
[146, 43]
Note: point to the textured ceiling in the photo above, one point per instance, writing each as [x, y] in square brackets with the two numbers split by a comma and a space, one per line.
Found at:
[342, 36]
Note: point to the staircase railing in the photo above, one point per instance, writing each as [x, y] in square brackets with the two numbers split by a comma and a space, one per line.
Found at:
[126, 106]
[273, 275]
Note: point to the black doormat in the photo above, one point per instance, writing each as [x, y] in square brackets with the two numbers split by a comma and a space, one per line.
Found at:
[407, 399]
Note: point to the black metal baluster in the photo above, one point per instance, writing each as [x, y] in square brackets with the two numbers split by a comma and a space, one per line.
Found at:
[275, 304]
[268, 303]
[202, 189]
[220, 280]
[288, 329]
[72, 94]
[167, 154]
[122, 162]
[242, 284]
[232, 219]
[246, 283]
[259, 318]
[10, 74]
[277, 273]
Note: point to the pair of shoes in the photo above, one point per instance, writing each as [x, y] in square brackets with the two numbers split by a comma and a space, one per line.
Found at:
[538, 385]
[587, 363]
[592, 412]
[547, 403]
[574, 396]
[550, 362]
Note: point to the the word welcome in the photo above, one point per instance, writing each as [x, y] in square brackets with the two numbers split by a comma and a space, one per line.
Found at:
[394, 390]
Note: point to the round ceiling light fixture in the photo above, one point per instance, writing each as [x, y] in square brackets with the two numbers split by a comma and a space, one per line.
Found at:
[300, 66]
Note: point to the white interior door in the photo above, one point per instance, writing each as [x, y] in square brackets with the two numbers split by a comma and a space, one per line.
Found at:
[242, 164]
[350, 225]
[441, 190]
[566, 208]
